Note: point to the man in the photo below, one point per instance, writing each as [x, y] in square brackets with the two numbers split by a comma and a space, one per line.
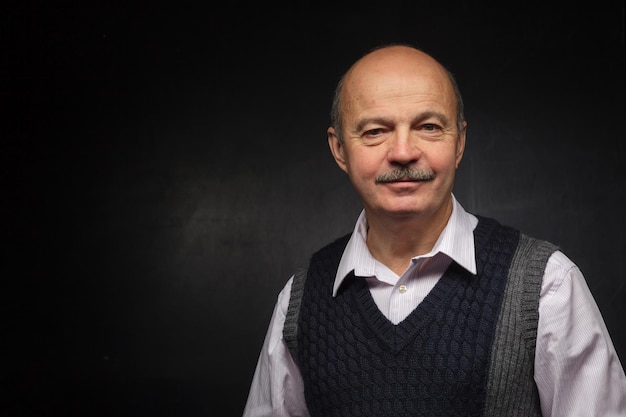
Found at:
[426, 309]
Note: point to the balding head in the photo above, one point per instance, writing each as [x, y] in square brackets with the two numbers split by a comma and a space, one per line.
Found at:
[393, 61]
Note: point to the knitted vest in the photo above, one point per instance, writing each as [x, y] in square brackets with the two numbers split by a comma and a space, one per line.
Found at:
[466, 350]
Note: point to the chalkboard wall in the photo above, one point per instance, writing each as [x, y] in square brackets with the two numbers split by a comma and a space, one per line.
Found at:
[165, 169]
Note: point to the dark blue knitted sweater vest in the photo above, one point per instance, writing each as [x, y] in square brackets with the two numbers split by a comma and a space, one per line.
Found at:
[466, 350]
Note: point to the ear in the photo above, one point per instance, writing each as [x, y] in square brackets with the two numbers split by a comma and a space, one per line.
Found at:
[337, 149]
[460, 146]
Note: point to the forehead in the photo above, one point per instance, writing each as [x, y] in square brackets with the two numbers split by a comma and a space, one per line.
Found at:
[397, 77]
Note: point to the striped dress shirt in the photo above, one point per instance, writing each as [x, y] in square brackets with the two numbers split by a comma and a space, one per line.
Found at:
[577, 370]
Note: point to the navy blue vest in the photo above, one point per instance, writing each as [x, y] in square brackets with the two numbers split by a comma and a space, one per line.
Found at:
[436, 362]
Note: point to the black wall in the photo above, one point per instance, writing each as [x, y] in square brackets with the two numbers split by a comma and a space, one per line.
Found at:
[164, 169]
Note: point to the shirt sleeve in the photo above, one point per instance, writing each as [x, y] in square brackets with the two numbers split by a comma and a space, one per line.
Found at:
[276, 389]
[577, 370]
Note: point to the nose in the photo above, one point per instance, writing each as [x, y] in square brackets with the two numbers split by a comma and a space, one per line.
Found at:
[403, 149]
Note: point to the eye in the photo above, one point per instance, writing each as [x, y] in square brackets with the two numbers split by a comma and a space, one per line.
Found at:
[430, 127]
[430, 131]
[373, 132]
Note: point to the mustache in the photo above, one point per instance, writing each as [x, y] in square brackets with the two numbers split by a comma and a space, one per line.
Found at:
[405, 173]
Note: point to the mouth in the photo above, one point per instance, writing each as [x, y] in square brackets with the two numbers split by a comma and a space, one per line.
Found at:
[404, 183]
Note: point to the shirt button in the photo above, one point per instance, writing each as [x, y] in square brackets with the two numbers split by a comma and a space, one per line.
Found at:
[402, 289]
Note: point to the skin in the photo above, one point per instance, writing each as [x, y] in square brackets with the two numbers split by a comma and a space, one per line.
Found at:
[399, 111]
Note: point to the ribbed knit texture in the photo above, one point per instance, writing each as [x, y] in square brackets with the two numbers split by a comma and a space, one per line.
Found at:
[436, 362]
[290, 327]
[511, 390]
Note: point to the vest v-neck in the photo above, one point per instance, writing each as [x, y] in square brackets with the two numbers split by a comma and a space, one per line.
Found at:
[396, 336]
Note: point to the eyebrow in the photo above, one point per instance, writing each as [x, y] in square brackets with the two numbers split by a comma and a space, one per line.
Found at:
[373, 120]
[417, 119]
[432, 115]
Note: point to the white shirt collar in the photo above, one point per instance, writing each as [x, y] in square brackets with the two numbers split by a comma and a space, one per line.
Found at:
[456, 241]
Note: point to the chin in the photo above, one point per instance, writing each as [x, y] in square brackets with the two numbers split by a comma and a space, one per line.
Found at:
[403, 211]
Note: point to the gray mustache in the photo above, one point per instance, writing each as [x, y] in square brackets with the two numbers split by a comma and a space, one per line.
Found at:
[406, 174]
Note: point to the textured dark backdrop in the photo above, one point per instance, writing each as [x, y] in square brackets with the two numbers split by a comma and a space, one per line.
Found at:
[164, 169]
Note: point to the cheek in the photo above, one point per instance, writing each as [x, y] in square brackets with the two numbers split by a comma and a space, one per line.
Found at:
[443, 160]
[361, 165]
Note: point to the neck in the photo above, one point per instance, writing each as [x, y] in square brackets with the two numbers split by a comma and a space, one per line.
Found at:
[394, 241]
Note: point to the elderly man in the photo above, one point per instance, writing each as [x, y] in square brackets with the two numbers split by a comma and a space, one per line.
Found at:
[425, 309]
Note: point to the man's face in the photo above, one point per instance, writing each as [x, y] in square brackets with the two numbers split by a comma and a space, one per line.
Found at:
[399, 115]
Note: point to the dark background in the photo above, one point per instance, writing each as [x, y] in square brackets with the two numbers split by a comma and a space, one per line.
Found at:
[164, 169]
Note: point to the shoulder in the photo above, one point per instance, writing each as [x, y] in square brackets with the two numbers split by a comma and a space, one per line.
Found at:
[561, 261]
[561, 274]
